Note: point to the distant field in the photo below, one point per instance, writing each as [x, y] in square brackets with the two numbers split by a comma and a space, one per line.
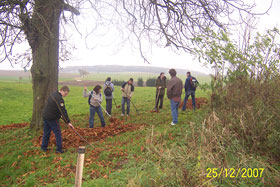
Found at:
[126, 75]
[21, 76]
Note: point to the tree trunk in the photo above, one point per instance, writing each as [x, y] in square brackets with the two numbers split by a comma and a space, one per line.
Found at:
[44, 41]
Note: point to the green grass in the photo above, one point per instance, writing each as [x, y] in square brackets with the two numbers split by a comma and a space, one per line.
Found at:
[15, 79]
[15, 102]
[16, 105]
[156, 155]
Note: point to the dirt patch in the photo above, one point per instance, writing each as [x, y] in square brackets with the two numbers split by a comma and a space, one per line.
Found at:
[70, 139]
[13, 126]
[155, 111]
[199, 102]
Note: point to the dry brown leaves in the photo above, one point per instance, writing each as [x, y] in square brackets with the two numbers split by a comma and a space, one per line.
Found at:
[198, 101]
[154, 111]
[13, 126]
[70, 139]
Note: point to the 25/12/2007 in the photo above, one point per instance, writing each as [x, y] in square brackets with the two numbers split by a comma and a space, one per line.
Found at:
[234, 173]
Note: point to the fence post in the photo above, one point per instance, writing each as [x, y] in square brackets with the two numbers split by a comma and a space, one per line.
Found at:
[80, 166]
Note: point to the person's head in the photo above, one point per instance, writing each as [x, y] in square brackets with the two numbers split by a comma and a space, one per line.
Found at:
[162, 75]
[172, 72]
[188, 74]
[97, 89]
[108, 79]
[64, 90]
[130, 81]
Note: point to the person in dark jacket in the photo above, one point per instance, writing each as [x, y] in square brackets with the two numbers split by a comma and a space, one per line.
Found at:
[108, 90]
[174, 92]
[54, 109]
[190, 91]
[127, 92]
[160, 90]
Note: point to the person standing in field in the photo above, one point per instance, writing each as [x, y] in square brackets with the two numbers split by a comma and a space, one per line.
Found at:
[174, 92]
[53, 111]
[190, 88]
[160, 90]
[127, 92]
[94, 100]
[108, 90]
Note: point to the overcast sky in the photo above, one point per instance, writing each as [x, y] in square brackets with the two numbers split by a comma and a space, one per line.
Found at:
[109, 54]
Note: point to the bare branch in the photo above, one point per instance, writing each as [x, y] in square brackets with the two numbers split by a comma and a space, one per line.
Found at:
[70, 8]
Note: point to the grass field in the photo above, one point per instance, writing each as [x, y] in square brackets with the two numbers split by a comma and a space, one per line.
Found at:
[156, 154]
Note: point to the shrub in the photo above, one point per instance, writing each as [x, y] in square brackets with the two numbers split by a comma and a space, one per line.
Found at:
[249, 109]
[246, 99]
[140, 81]
[151, 82]
[118, 82]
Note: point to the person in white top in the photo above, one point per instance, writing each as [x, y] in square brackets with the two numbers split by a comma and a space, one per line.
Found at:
[95, 100]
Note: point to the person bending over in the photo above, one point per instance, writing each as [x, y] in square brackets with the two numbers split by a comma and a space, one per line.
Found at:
[53, 111]
[95, 100]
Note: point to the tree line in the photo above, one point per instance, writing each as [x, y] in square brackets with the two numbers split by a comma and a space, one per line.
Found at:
[150, 82]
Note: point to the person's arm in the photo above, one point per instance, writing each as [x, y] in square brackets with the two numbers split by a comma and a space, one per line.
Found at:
[157, 83]
[112, 86]
[85, 94]
[122, 88]
[187, 83]
[99, 98]
[169, 89]
[63, 111]
[61, 107]
[132, 91]
[197, 81]
[164, 85]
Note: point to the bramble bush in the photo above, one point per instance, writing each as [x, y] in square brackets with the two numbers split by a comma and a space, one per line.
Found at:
[246, 100]
[242, 128]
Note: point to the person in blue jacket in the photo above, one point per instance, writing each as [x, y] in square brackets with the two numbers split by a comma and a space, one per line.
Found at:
[189, 90]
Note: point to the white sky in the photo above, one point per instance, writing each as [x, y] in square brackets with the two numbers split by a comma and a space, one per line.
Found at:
[108, 54]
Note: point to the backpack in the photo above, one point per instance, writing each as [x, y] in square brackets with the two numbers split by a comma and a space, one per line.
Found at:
[89, 98]
[108, 91]
[193, 82]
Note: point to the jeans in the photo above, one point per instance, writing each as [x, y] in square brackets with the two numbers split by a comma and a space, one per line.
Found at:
[159, 99]
[51, 125]
[98, 110]
[188, 93]
[174, 110]
[127, 101]
[109, 106]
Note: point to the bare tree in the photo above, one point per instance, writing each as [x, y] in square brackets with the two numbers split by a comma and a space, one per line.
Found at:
[83, 72]
[36, 21]
[175, 23]
[169, 23]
